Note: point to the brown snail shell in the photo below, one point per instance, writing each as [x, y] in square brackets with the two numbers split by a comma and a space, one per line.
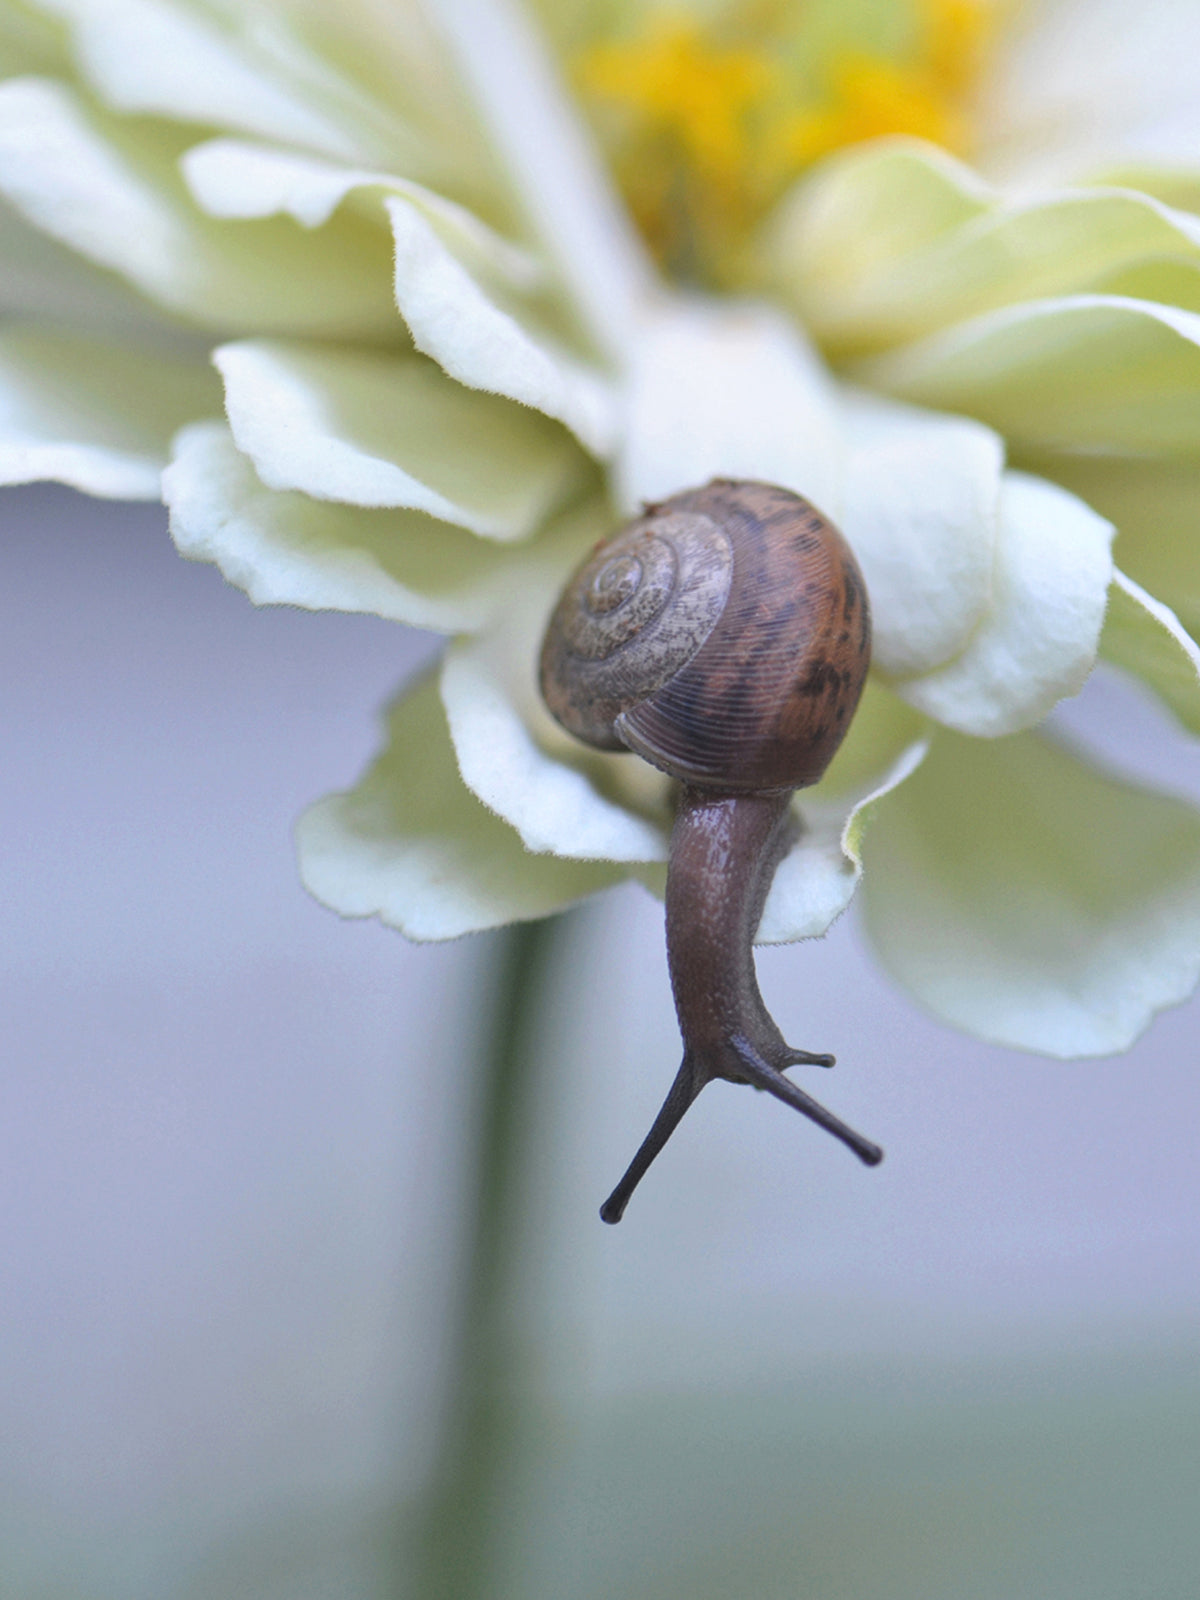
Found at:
[725, 637]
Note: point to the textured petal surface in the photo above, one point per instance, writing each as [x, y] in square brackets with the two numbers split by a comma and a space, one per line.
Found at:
[487, 345]
[97, 416]
[110, 189]
[921, 509]
[411, 845]
[378, 430]
[1038, 640]
[284, 548]
[1090, 372]
[727, 391]
[1147, 639]
[1030, 900]
[558, 794]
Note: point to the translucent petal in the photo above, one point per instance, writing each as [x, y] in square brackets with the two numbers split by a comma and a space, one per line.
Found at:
[727, 391]
[380, 430]
[410, 845]
[111, 190]
[1088, 372]
[1032, 901]
[490, 346]
[1147, 639]
[816, 880]
[284, 548]
[95, 415]
[1039, 637]
[920, 508]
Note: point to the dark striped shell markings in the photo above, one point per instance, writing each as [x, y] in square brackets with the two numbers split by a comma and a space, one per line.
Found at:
[724, 636]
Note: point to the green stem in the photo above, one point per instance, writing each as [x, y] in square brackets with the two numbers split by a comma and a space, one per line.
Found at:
[454, 1560]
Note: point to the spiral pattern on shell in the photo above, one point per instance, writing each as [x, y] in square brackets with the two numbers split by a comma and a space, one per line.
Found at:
[724, 636]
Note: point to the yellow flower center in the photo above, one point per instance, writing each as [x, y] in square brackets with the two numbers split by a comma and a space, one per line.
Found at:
[709, 118]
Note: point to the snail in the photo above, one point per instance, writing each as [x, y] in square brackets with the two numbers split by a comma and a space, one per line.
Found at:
[724, 636]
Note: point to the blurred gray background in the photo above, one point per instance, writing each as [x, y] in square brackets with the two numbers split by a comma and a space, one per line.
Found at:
[230, 1211]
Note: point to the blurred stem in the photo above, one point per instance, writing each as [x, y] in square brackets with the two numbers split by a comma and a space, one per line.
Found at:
[484, 1377]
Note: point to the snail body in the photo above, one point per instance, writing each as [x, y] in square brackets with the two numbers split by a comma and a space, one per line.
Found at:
[724, 636]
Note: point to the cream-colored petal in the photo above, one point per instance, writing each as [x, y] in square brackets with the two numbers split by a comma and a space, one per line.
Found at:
[1082, 373]
[410, 845]
[1038, 640]
[110, 189]
[816, 880]
[381, 430]
[727, 390]
[95, 415]
[921, 509]
[486, 345]
[284, 548]
[1147, 639]
[559, 795]
[1032, 901]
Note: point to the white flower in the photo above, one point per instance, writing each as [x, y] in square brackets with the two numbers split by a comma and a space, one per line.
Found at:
[1018, 374]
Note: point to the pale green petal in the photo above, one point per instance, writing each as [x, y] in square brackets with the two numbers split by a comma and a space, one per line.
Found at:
[94, 415]
[564, 189]
[236, 179]
[381, 430]
[1155, 505]
[410, 845]
[487, 345]
[1038, 640]
[147, 56]
[283, 548]
[1088, 372]
[559, 795]
[816, 880]
[921, 510]
[1147, 639]
[111, 191]
[1026, 898]
[43, 280]
[858, 300]
[727, 390]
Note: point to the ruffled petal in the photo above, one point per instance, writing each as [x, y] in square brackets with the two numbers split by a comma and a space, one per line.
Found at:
[284, 548]
[110, 190]
[1146, 638]
[1032, 901]
[1038, 639]
[727, 391]
[816, 880]
[378, 430]
[1084, 373]
[921, 508]
[410, 845]
[487, 345]
[559, 795]
[866, 268]
[94, 415]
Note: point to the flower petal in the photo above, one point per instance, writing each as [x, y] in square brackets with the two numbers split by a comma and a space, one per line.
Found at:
[1088, 372]
[1032, 901]
[283, 548]
[559, 795]
[410, 845]
[382, 430]
[727, 391]
[921, 509]
[111, 191]
[1147, 639]
[816, 880]
[60, 417]
[1038, 640]
[958, 259]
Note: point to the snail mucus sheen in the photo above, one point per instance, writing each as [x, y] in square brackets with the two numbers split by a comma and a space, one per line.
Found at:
[724, 636]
